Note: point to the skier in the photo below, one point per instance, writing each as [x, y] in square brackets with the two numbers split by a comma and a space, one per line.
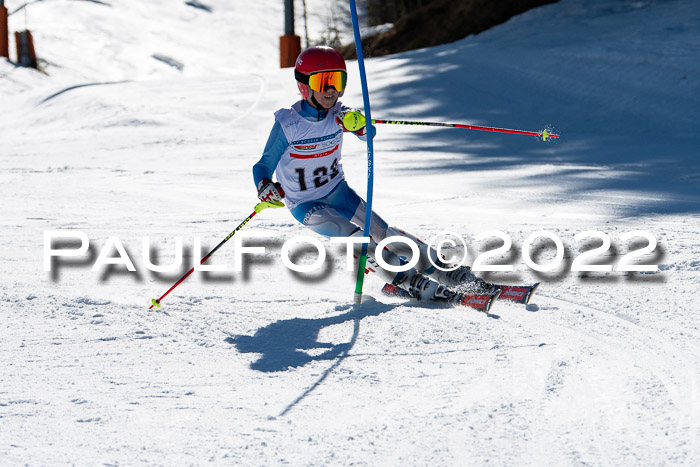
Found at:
[304, 149]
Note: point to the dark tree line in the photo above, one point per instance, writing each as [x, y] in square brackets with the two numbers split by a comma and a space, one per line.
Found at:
[425, 23]
[389, 11]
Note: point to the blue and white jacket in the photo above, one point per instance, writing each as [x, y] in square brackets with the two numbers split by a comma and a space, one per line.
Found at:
[304, 151]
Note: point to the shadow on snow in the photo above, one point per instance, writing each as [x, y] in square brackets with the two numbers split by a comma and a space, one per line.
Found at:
[618, 133]
[286, 344]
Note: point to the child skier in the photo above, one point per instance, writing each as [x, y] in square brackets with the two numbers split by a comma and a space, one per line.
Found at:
[304, 149]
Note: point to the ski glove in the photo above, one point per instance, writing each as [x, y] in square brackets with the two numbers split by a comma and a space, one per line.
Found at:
[268, 191]
[355, 122]
[352, 120]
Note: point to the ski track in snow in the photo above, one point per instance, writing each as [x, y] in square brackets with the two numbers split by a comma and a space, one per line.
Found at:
[267, 367]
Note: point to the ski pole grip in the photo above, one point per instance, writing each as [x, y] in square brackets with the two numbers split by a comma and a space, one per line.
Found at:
[268, 204]
[354, 121]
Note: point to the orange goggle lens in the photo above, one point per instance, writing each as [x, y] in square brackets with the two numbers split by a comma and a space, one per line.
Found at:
[321, 81]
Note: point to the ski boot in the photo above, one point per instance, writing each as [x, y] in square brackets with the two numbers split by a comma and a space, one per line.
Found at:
[465, 281]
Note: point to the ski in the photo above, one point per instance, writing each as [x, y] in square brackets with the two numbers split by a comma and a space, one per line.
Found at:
[481, 302]
[517, 293]
[512, 293]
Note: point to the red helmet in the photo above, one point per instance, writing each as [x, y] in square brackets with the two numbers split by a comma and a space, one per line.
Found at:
[314, 60]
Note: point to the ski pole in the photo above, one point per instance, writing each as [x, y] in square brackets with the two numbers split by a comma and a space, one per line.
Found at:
[544, 134]
[258, 207]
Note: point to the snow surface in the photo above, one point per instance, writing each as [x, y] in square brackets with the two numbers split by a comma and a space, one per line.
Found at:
[266, 367]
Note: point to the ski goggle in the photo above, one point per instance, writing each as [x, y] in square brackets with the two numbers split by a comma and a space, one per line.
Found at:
[324, 80]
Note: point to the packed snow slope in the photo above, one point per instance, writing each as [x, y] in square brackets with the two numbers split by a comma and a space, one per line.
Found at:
[145, 125]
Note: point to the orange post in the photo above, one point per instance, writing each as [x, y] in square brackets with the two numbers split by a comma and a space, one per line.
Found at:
[4, 33]
[290, 48]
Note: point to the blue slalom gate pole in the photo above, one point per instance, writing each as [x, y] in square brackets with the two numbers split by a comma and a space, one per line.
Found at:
[370, 152]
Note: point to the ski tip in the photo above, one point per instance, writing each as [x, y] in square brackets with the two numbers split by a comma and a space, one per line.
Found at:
[480, 302]
[494, 297]
[155, 303]
[531, 293]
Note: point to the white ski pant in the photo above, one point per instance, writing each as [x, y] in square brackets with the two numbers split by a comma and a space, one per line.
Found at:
[334, 216]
